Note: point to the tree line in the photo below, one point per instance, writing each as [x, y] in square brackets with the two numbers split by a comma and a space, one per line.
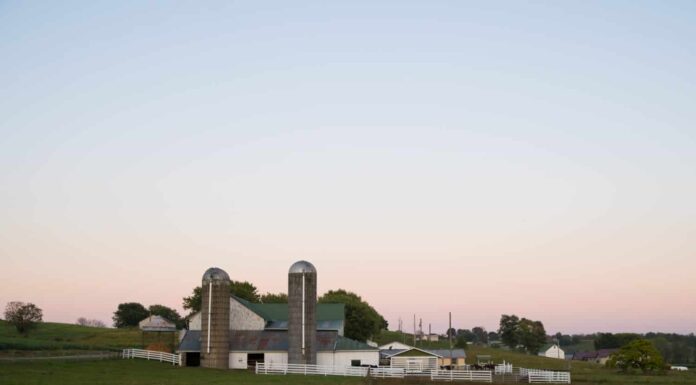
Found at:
[362, 321]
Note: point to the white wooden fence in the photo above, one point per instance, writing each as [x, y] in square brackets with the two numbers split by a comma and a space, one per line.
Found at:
[322, 370]
[537, 376]
[504, 368]
[462, 375]
[174, 359]
[387, 372]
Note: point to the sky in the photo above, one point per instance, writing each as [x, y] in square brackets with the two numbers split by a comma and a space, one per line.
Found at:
[474, 157]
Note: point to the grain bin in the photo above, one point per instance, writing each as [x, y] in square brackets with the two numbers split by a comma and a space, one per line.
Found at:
[215, 319]
[302, 313]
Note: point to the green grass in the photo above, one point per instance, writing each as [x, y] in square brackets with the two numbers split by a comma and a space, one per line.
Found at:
[141, 372]
[57, 336]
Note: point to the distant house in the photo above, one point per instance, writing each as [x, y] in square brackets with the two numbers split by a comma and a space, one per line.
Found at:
[600, 356]
[432, 337]
[603, 355]
[552, 351]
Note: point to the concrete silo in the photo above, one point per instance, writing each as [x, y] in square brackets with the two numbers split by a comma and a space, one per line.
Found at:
[302, 313]
[215, 319]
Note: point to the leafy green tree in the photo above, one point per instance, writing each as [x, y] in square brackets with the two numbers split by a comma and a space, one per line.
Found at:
[638, 354]
[244, 290]
[193, 302]
[362, 320]
[274, 298]
[508, 330]
[480, 335]
[23, 316]
[464, 336]
[613, 341]
[129, 314]
[167, 313]
[531, 335]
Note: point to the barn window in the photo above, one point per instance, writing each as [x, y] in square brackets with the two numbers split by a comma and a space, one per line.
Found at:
[354, 362]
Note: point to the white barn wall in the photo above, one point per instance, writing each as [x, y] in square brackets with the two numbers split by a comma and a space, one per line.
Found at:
[344, 357]
[195, 322]
[241, 318]
[238, 360]
[276, 357]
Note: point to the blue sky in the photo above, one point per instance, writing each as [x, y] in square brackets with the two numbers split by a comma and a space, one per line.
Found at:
[537, 142]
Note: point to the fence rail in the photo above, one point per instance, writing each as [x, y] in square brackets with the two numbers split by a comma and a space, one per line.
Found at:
[321, 370]
[536, 376]
[174, 359]
[387, 372]
[462, 375]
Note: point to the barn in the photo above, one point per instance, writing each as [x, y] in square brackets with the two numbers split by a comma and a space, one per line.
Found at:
[261, 333]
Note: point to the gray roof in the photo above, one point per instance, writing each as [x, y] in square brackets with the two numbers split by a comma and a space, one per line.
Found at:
[215, 274]
[456, 353]
[321, 325]
[300, 267]
[271, 340]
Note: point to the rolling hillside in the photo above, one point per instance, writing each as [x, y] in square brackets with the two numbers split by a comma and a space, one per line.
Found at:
[57, 336]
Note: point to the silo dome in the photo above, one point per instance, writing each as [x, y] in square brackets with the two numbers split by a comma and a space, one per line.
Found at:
[215, 274]
[302, 267]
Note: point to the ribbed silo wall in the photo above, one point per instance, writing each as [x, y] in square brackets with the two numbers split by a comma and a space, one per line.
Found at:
[218, 355]
[295, 354]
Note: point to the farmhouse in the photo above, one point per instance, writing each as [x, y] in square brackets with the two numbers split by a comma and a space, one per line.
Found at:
[236, 334]
[552, 351]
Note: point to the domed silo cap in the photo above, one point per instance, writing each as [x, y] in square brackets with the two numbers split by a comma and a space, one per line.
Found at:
[215, 274]
[300, 267]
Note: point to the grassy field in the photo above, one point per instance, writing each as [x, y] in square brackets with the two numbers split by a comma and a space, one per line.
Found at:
[57, 339]
[56, 336]
[140, 372]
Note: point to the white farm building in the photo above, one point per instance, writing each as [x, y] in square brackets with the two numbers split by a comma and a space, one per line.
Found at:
[552, 351]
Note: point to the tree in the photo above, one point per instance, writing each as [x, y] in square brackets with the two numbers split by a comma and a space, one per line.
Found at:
[94, 323]
[613, 341]
[637, 354]
[167, 313]
[493, 336]
[244, 290]
[464, 336]
[129, 314]
[480, 335]
[362, 320]
[193, 302]
[274, 298]
[531, 335]
[508, 330]
[451, 332]
[24, 316]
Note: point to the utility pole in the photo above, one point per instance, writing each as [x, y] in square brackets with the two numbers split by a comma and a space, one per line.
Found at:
[449, 334]
[414, 330]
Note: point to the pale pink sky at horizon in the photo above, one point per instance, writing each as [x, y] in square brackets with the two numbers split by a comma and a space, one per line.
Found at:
[535, 159]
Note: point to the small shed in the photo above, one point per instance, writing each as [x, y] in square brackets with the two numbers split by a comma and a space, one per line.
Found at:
[158, 325]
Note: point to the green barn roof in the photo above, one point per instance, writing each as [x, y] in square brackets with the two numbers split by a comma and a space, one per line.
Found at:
[279, 311]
